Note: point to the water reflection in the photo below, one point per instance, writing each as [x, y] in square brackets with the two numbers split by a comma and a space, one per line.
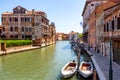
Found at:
[39, 64]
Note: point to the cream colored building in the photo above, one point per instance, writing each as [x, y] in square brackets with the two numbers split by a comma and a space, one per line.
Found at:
[24, 24]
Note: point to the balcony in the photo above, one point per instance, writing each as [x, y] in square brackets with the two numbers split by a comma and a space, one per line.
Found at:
[115, 33]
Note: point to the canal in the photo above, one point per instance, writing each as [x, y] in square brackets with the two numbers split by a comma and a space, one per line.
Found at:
[39, 64]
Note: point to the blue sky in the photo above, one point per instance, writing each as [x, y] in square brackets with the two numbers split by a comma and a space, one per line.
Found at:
[65, 13]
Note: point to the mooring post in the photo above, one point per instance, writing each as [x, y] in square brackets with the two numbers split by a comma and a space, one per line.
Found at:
[78, 59]
[94, 75]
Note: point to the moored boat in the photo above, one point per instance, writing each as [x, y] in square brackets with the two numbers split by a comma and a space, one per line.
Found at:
[69, 69]
[86, 69]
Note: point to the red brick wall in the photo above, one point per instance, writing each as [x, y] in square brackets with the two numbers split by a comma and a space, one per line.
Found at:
[92, 29]
[117, 1]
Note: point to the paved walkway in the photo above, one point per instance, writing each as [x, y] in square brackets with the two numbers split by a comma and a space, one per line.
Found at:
[102, 66]
[18, 50]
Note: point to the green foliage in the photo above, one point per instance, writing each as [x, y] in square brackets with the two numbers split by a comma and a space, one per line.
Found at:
[80, 35]
[12, 43]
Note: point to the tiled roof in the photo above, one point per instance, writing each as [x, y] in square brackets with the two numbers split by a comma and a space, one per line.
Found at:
[7, 13]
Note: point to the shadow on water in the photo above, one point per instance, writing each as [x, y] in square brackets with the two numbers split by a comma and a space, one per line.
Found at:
[76, 76]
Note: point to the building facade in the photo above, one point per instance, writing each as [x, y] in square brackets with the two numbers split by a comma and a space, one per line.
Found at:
[89, 7]
[112, 22]
[100, 14]
[92, 30]
[24, 24]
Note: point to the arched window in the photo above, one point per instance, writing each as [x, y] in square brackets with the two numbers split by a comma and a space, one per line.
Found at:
[11, 29]
[16, 19]
[16, 29]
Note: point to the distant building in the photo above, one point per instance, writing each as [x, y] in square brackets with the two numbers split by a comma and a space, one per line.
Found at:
[24, 24]
[0, 30]
[73, 36]
[52, 31]
[62, 36]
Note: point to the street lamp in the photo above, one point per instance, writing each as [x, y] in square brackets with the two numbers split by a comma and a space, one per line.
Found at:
[110, 67]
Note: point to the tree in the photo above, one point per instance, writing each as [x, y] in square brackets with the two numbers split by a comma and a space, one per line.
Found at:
[80, 35]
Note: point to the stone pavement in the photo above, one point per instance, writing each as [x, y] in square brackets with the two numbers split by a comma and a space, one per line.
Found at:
[102, 66]
[18, 50]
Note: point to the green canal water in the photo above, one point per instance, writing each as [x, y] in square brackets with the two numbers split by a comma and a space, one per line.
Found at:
[39, 64]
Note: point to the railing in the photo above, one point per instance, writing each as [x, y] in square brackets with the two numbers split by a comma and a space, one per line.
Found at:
[114, 34]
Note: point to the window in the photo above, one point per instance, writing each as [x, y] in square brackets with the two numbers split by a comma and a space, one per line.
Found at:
[16, 36]
[26, 29]
[2, 19]
[11, 29]
[16, 29]
[23, 36]
[22, 29]
[16, 19]
[25, 19]
[11, 36]
[3, 28]
[22, 11]
[92, 4]
[22, 18]
[10, 19]
[30, 29]
[107, 27]
[112, 24]
[118, 23]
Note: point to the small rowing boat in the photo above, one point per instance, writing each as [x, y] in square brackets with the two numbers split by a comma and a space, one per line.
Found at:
[69, 69]
[86, 69]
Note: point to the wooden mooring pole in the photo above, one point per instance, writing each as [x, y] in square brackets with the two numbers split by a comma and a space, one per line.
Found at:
[78, 60]
[94, 75]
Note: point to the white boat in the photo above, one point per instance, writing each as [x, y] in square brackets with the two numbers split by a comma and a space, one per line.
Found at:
[86, 69]
[69, 69]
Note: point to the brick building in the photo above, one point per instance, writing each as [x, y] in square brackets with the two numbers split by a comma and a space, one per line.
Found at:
[92, 30]
[24, 24]
[100, 14]
[117, 1]
[89, 7]
[112, 21]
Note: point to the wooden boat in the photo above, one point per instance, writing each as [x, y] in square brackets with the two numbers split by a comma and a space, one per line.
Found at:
[69, 69]
[86, 69]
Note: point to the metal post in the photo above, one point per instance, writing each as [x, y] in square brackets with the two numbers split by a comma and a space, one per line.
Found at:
[110, 68]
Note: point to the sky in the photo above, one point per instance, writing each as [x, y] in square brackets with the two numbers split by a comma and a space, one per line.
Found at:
[66, 14]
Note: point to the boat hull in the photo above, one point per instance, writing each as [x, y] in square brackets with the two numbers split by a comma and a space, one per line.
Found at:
[86, 71]
[67, 71]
